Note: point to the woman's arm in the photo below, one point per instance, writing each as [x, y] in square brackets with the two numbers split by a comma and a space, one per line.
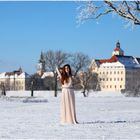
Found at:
[58, 72]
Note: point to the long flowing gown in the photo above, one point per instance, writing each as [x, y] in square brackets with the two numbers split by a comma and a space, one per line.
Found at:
[68, 113]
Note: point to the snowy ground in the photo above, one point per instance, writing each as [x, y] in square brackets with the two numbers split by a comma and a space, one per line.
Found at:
[100, 116]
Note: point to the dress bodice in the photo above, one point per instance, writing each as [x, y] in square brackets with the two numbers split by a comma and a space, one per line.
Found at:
[68, 84]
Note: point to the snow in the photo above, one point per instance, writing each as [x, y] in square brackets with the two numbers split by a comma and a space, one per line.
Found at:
[123, 61]
[2, 75]
[47, 74]
[128, 61]
[101, 115]
[115, 64]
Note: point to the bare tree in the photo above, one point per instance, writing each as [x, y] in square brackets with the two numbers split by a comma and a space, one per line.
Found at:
[53, 59]
[3, 89]
[127, 10]
[95, 82]
[48, 83]
[34, 83]
[132, 88]
[79, 61]
[84, 80]
[89, 80]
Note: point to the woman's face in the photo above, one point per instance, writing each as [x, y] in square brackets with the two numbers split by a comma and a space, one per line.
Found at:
[67, 69]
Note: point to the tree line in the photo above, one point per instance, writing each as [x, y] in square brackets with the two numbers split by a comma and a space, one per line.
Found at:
[84, 79]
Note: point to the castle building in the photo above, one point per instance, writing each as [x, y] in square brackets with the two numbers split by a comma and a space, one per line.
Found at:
[15, 80]
[120, 72]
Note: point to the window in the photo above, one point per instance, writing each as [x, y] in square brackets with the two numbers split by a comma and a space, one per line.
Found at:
[120, 86]
[115, 86]
[114, 72]
[110, 86]
[110, 79]
[114, 79]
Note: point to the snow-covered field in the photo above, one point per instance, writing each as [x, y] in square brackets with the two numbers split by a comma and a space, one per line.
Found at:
[100, 116]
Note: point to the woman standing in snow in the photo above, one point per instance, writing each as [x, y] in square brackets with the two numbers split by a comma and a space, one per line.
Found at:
[68, 113]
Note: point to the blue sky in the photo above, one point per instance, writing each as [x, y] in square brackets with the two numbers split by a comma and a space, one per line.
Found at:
[27, 28]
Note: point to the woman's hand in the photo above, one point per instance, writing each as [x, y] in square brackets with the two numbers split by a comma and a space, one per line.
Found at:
[58, 72]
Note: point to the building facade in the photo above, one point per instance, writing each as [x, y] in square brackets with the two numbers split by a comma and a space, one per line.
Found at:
[118, 73]
[16, 80]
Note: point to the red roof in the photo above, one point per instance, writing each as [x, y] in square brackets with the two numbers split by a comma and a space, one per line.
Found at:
[111, 60]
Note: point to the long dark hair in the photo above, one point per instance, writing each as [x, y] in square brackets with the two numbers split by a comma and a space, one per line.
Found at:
[65, 76]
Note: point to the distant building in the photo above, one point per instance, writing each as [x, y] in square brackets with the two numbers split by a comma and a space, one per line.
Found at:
[41, 65]
[16, 80]
[119, 72]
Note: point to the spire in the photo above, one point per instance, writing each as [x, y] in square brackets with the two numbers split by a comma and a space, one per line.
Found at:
[41, 64]
[20, 69]
[118, 44]
[41, 60]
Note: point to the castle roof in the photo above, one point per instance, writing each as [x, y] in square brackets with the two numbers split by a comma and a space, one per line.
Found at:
[111, 60]
[14, 74]
[127, 61]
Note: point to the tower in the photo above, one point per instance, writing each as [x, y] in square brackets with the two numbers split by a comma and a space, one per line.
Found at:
[41, 65]
[118, 50]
